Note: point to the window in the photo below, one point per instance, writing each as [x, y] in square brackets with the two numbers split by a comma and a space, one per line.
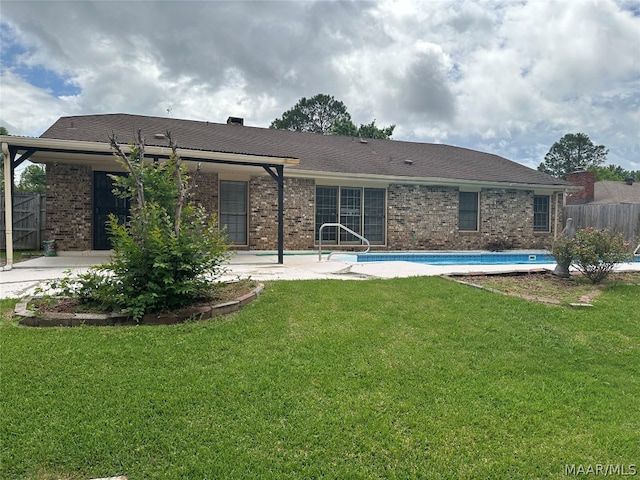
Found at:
[468, 211]
[374, 207]
[233, 210]
[327, 212]
[350, 213]
[540, 213]
[359, 209]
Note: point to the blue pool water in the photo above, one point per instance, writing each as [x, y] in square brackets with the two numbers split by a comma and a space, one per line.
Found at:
[464, 258]
[460, 258]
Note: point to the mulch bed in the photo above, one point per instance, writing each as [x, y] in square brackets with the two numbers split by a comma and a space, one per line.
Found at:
[59, 311]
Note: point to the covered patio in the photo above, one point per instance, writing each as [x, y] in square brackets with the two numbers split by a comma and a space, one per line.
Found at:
[17, 150]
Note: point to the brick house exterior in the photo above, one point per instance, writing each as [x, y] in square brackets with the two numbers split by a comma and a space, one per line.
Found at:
[405, 196]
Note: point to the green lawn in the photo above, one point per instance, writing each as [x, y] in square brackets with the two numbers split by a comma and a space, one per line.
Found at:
[404, 378]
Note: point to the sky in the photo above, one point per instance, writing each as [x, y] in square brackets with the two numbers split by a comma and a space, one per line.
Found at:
[505, 77]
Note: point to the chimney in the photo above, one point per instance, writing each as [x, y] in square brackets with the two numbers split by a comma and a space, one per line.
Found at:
[235, 121]
[583, 179]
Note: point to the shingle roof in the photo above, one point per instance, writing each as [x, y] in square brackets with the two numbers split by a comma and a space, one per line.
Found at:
[608, 191]
[319, 153]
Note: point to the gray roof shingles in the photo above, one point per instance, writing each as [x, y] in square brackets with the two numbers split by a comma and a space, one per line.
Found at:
[612, 192]
[320, 153]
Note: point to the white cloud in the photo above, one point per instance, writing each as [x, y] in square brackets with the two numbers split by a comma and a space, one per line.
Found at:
[501, 76]
[27, 110]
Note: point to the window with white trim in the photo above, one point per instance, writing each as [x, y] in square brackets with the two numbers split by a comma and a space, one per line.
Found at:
[541, 213]
[233, 210]
[468, 211]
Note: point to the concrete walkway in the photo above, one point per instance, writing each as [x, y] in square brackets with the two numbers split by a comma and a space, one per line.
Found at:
[25, 276]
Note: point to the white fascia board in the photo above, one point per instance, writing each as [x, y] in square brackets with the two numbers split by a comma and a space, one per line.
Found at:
[432, 181]
[71, 146]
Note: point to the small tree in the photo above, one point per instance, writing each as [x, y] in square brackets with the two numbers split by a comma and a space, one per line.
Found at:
[595, 252]
[167, 254]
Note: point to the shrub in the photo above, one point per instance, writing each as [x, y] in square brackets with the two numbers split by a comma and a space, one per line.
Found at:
[154, 268]
[166, 255]
[596, 252]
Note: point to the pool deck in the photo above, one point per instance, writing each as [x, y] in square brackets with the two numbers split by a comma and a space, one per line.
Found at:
[27, 275]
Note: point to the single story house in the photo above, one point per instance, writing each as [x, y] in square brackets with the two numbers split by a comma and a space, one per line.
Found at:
[275, 189]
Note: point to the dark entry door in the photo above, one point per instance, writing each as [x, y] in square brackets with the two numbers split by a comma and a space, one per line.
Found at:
[104, 203]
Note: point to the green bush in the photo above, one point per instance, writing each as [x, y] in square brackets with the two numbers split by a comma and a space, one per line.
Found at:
[154, 269]
[596, 252]
[166, 255]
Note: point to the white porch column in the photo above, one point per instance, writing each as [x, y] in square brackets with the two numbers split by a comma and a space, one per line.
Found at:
[8, 206]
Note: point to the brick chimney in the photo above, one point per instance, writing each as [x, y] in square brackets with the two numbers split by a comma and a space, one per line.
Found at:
[583, 179]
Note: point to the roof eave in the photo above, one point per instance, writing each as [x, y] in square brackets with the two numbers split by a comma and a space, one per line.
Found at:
[100, 148]
[440, 181]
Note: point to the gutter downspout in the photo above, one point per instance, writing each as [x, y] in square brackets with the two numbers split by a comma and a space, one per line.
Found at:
[8, 206]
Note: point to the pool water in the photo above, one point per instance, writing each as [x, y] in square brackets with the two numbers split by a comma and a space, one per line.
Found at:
[464, 258]
[461, 258]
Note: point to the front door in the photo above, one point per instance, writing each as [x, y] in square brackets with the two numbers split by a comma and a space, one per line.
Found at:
[104, 203]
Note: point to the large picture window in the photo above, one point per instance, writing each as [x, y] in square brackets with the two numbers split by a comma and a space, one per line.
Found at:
[540, 213]
[468, 211]
[233, 210]
[359, 209]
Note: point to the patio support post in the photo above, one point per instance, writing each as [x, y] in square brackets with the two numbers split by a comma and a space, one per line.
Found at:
[278, 176]
[280, 170]
[8, 204]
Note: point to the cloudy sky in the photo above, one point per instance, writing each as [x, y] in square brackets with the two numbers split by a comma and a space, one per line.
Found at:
[507, 77]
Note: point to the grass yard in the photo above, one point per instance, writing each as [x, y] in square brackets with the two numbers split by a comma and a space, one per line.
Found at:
[403, 378]
[19, 256]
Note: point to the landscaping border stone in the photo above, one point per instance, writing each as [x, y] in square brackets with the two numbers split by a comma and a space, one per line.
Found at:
[31, 318]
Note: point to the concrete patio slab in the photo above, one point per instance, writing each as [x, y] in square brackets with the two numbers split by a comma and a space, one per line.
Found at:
[26, 276]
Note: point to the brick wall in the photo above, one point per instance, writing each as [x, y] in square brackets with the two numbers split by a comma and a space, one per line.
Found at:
[70, 206]
[423, 217]
[205, 191]
[418, 217]
[299, 213]
[583, 179]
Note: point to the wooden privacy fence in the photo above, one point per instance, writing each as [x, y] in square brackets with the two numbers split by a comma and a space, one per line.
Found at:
[29, 214]
[621, 217]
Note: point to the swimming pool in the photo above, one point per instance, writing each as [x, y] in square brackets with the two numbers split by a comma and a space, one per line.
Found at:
[461, 258]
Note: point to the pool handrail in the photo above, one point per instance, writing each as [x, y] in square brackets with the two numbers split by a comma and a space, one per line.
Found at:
[347, 229]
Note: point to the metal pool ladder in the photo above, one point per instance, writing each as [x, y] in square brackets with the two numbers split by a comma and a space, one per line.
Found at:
[339, 225]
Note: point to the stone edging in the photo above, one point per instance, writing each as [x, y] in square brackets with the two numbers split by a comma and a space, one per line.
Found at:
[549, 301]
[30, 318]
